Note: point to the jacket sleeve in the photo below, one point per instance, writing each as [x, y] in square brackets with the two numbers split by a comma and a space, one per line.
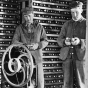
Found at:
[62, 36]
[43, 39]
[81, 50]
[83, 44]
[16, 37]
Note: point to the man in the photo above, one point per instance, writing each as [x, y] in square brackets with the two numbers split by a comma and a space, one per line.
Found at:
[72, 43]
[33, 35]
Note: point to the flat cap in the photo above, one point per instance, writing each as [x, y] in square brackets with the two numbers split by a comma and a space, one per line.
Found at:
[75, 4]
[27, 10]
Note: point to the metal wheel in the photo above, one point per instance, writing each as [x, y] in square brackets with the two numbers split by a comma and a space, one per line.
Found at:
[17, 65]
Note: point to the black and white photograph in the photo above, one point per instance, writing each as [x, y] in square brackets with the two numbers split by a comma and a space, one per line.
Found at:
[43, 44]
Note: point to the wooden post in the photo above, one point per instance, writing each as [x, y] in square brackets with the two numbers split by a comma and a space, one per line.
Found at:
[86, 55]
[30, 3]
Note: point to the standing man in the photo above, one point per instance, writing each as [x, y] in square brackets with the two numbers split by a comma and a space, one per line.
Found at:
[34, 36]
[72, 43]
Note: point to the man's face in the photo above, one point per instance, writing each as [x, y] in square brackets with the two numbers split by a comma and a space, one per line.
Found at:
[76, 13]
[29, 17]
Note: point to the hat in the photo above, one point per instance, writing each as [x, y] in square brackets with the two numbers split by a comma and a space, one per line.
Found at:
[75, 4]
[27, 10]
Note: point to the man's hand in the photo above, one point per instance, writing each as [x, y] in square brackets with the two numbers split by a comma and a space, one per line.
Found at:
[33, 46]
[67, 41]
[75, 41]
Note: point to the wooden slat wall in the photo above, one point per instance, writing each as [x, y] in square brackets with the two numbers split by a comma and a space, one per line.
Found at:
[9, 19]
[51, 14]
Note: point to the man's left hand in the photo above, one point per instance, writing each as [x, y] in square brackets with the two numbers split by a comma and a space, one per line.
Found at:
[75, 41]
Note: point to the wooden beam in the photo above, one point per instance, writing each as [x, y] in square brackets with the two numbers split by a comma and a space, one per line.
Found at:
[23, 4]
[86, 55]
[23, 0]
[30, 3]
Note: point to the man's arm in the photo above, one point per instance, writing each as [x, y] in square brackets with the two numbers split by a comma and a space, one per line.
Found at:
[83, 44]
[43, 39]
[16, 37]
[62, 36]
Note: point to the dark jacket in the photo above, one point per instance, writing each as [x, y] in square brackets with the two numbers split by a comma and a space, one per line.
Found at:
[73, 29]
[38, 35]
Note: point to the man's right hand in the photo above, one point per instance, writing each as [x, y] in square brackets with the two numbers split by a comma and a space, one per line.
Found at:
[67, 41]
[33, 46]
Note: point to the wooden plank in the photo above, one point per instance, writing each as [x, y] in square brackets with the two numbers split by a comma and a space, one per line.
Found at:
[86, 55]
[23, 0]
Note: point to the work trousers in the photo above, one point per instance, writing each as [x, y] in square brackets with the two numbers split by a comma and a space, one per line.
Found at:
[40, 76]
[73, 68]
